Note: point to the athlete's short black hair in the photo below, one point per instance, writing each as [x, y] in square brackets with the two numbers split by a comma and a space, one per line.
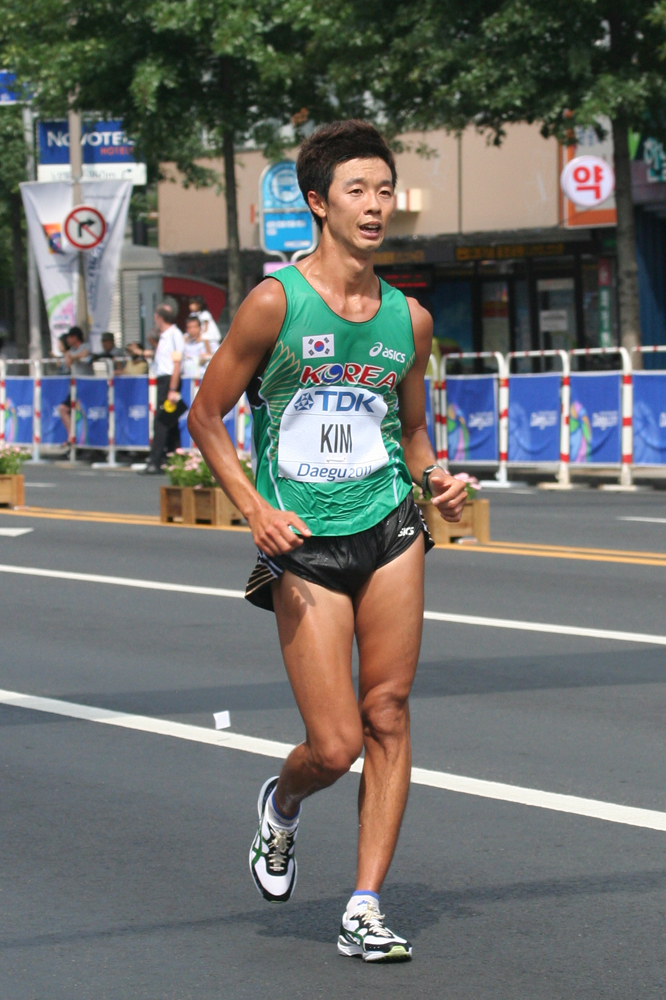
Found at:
[336, 143]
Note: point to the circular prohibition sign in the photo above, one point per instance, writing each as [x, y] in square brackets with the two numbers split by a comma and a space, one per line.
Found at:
[85, 227]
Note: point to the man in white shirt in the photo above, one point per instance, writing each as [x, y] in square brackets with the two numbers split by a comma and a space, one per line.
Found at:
[166, 367]
[196, 354]
[210, 331]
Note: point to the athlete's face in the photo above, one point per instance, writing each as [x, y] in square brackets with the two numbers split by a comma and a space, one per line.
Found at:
[360, 203]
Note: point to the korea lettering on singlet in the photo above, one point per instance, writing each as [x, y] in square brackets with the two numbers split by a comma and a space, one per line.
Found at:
[328, 435]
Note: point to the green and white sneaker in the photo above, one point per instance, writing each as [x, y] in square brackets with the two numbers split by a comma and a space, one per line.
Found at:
[272, 860]
[363, 935]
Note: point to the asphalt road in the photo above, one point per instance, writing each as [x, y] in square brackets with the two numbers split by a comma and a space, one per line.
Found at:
[124, 860]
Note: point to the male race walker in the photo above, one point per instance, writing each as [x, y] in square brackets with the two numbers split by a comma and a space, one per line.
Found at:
[333, 360]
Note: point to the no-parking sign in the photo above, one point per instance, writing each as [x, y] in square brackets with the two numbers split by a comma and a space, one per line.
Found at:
[85, 227]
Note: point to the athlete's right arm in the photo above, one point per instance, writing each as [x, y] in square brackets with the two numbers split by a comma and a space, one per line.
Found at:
[250, 340]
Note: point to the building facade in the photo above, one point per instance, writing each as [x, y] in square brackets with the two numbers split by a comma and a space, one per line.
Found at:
[482, 237]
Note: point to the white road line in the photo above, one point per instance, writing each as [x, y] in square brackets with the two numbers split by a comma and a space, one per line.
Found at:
[648, 819]
[14, 532]
[647, 520]
[437, 616]
[589, 633]
[121, 581]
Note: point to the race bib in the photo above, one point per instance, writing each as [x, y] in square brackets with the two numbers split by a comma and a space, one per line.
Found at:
[330, 435]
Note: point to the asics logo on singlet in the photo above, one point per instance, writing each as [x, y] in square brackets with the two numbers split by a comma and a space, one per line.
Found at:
[386, 352]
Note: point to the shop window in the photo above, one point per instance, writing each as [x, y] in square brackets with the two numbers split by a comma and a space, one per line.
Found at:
[495, 316]
[451, 307]
[522, 311]
[599, 302]
[557, 313]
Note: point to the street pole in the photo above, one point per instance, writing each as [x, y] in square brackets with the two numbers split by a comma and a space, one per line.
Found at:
[34, 317]
[76, 164]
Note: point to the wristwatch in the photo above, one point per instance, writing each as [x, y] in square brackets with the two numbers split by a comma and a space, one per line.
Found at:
[425, 477]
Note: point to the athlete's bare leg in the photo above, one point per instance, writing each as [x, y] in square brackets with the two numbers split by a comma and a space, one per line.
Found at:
[389, 621]
[316, 629]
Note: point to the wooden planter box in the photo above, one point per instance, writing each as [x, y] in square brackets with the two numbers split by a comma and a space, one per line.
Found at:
[475, 521]
[12, 491]
[197, 505]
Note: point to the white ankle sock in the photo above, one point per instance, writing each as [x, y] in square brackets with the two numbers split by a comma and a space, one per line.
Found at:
[277, 819]
[361, 898]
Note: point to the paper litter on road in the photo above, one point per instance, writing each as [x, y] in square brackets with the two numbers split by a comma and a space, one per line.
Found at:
[222, 720]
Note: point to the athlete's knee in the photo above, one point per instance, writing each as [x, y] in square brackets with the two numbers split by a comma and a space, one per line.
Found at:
[334, 756]
[385, 712]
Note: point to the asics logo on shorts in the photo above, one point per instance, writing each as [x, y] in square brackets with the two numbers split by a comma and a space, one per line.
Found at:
[406, 532]
[386, 352]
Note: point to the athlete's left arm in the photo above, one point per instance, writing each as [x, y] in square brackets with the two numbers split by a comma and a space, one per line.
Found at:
[448, 494]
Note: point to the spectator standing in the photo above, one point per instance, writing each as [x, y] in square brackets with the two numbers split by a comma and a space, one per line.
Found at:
[136, 363]
[78, 361]
[196, 354]
[166, 368]
[210, 331]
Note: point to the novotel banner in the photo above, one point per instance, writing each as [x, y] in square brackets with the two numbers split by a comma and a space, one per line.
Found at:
[472, 418]
[107, 152]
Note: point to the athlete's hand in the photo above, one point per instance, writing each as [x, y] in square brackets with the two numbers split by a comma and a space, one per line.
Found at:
[448, 494]
[271, 530]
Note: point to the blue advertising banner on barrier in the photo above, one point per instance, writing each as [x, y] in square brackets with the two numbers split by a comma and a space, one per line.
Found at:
[534, 418]
[131, 409]
[472, 419]
[430, 416]
[187, 392]
[649, 418]
[92, 412]
[596, 418]
[55, 390]
[18, 410]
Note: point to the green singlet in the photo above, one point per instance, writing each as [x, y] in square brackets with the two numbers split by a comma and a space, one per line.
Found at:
[326, 431]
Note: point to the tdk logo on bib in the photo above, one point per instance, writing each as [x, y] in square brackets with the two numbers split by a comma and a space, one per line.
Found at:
[329, 435]
[319, 347]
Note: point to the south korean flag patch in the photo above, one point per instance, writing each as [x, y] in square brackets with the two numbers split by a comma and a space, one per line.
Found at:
[319, 347]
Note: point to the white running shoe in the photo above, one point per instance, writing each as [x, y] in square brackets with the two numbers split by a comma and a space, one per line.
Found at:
[272, 860]
[363, 935]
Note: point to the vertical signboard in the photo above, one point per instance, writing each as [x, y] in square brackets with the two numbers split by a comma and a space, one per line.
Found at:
[286, 223]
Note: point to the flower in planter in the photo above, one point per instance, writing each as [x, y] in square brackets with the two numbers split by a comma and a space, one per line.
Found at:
[12, 458]
[188, 468]
[471, 483]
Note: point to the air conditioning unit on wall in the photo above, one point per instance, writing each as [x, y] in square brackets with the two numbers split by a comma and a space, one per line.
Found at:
[410, 200]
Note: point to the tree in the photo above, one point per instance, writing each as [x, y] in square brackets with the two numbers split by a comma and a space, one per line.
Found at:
[191, 79]
[489, 63]
[12, 172]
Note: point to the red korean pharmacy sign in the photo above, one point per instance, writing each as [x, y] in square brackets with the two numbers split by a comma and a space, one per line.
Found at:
[587, 181]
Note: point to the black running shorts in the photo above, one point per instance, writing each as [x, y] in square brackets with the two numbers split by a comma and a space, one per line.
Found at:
[341, 562]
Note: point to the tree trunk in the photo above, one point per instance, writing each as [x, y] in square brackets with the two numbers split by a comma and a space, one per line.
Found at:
[20, 277]
[235, 271]
[627, 267]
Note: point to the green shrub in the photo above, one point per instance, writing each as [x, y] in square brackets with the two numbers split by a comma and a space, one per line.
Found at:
[12, 458]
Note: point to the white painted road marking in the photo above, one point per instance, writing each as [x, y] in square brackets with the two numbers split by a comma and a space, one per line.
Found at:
[14, 532]
[647, 520]
[43, 486]
[437, 616]
[648, 819]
